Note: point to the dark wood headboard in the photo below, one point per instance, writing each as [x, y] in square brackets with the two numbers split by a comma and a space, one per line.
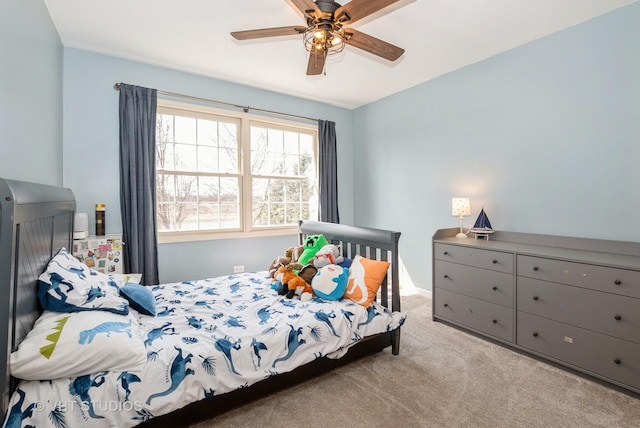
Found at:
[36, 220]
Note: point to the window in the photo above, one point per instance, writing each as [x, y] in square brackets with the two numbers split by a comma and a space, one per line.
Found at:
[226, 175]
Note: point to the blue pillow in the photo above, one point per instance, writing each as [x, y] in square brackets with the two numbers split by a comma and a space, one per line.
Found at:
[139, 297]
[67, 285]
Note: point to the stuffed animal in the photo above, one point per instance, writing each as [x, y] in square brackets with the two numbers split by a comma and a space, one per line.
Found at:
[312, 244]
[327, 255]
[292, 284]
[330, 282]
[291, 255]
[276, 263]
[307, 273]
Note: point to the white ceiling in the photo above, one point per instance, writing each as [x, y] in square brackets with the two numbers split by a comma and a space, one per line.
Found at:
[439, 36]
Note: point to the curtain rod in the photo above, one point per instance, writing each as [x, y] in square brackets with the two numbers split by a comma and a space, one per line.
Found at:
[244, 108]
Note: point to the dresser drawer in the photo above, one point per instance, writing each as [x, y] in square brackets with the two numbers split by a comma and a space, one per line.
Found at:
[485, 317]
[612, 280]
[486, 259]
[605, 313]
[597, 353]
[492, 286]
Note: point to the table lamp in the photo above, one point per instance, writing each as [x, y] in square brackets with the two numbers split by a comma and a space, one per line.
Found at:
[460, 207]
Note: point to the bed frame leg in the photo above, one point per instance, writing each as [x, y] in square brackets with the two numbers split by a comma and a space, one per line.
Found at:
[395, 342]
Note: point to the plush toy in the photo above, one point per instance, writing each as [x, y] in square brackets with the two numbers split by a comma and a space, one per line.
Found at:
[330, 282]
[276, 263]
[346, 263]
[291, 255]
[296, 252]
[277, 285]
[327, 255]
[292, 284]
[307, 273]
[312, 244]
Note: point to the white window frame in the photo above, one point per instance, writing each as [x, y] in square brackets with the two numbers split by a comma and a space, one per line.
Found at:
[246, 228]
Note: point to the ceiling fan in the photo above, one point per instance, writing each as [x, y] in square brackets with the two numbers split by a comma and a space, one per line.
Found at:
[325, 34]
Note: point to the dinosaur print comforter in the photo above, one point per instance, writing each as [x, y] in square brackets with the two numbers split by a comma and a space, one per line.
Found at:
[210, 337]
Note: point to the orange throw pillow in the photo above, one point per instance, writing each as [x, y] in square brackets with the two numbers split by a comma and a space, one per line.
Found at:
[365, 279]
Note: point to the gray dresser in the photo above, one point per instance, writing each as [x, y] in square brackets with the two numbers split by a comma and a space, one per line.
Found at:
[573, 301]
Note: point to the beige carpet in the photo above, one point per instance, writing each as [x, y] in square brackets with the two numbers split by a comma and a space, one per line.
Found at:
[442, 378]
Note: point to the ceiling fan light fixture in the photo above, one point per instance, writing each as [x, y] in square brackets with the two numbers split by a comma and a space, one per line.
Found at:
[324, 35]
[320, 37]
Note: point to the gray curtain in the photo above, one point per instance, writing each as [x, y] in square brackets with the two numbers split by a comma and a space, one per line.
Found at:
[138, 181]
[328, 159]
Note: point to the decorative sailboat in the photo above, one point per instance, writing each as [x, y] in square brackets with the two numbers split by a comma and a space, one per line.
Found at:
[482, 226]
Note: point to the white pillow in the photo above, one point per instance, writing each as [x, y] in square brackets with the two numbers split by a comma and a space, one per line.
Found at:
[77, 344]
[68, 285]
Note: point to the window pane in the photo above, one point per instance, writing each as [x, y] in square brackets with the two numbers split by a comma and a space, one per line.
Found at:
[207, 159]
[260, 214]
[291, 164]
[185, 157]
[164, 128]
[209, 216]
[291, 143]
[307, 168]
[275, 140]
[293, 213]
[228, 158]
[164, 156]
[293, 191]
[228, 137]
[229, 190]
[185, 130]
[186, 216]
[207, 132]
[258, 150]
[165, 216]
[276, 191]
[165, 188]
[229, 216]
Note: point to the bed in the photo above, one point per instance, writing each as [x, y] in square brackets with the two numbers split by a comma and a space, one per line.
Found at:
[212, 344]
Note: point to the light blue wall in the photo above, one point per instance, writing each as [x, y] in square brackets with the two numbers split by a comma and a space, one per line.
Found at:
[545, 136]
[30, 93]
[91, 138]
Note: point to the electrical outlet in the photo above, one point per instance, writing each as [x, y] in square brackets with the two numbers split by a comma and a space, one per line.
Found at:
[238, 269]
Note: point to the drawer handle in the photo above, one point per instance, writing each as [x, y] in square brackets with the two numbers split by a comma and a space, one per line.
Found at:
[446, 305]
[494, 288]
[446, 276]
[617, 317]
[617, 361]
[535, 298]
[536, 268]
[494, 321]
[535, 334]
[617, 282]
[494, 261]
[446, 253]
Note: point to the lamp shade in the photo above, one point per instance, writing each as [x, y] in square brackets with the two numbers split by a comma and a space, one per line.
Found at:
[460, 206]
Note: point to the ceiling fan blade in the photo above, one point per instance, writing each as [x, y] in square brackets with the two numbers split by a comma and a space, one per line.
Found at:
[268, 32]
[316, 62]
[372, 45]
[304, 5]
[358, 9]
